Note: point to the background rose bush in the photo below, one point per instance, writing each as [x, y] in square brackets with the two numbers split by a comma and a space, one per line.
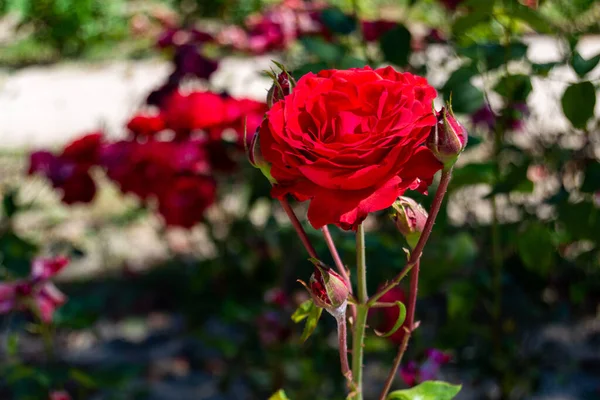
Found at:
[519, 256]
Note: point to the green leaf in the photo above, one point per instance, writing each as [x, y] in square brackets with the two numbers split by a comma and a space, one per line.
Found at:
[338, 22]
[395, 45]
[536, 248]
[514, 87]
[324, 51]
[591, 182]
[462, 297]
[429, 390]
[543, 69]
[280, 395]
[472, 174]
[309, 311]
[531, 17]
[398, 323]
[9, 203]
[303, 311]
[82, 378]
[494, 55]
[578, 103]
[12, 345]
[466, 98]
[305, 69]
[581, 66]
[349, 61]
[514, 180]
[465, 23]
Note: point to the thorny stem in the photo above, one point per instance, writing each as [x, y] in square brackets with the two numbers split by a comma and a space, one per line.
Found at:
[298, 227]
[396, 365]
[339, 265]
[362, 310]
[414, 264]
[343, 345]
[415, 255]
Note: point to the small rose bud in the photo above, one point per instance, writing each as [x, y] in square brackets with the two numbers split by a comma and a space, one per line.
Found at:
[447, 138]
[281, 88]
[256, 158]
[410, 219]
[328, 289]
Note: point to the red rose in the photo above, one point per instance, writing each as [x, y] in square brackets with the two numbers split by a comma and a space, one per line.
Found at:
[351, 141]
[84, 150]
[197, 110]
[186, 200]
[145, 125]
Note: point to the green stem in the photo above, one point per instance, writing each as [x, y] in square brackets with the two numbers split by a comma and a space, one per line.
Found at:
[361, 314]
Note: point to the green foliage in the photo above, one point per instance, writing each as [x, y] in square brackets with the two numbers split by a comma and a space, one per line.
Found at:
[466, 98]
[71, 26]
[578, 102]
[395, 45]
[581, 66]
[429, 390]
[337, 21]
[536, 248]
[311, 313]
[280, 395]
[398, 323]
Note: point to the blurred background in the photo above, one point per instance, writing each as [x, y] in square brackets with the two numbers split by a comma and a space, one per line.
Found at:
[122, 148]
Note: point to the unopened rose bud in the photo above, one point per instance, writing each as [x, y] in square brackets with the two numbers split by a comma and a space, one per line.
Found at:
[447, 138]
[328, 289]
[256, 158]
[281, 88]
[410, 219]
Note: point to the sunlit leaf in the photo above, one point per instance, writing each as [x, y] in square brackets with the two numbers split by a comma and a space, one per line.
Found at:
[280, 395]
[429, 390]
[309, 311]
[398, 323]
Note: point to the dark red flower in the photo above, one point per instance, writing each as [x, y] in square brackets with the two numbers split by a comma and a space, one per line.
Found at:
[84, 150]
[373, 30]
[351, 141]
[149, 169]
[189, 60]
[388, 316]
[451, 4]
[69, 171]
[145, 125]
[196, 110]
[186, 200]
[59, 395]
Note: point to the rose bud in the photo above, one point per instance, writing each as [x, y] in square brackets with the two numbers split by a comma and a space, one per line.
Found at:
[410, 219]
[256, 158]
[282, 86]
[447, 138]
[328, 289]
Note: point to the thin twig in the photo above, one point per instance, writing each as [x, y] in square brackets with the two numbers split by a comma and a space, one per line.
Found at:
[339, 265]
[298, 227]
[396, 365]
